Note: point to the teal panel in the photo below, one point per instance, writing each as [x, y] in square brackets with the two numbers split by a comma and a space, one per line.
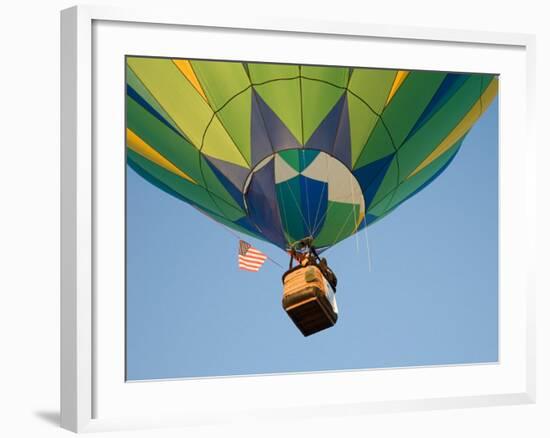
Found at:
[290, 208]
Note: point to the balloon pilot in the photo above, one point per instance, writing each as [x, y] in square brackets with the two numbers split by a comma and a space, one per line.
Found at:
[305, 254]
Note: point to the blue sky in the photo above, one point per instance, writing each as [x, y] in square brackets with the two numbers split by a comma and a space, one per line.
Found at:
[431, 297]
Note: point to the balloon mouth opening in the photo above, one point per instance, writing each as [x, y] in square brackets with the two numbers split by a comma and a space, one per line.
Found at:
[298, 193]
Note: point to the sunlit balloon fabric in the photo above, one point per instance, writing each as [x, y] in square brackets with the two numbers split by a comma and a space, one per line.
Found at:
[283, 152]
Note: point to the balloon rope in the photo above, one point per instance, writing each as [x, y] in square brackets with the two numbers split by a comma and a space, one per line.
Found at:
[342, 227]
[367, 240]
[355, 224]
[315, 222]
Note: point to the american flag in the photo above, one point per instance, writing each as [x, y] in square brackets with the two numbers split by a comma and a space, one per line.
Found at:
[250, 258]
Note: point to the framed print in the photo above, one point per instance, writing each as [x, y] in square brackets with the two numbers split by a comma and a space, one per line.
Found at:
[263, 218]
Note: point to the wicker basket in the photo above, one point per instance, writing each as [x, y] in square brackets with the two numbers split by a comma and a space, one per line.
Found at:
[306, 300]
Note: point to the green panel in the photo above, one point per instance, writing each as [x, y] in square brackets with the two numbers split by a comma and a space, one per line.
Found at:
[437, 128]
[442, 101]
[318, 99]
[289, 201]
[379, 209]
[409, 102]
[230, 207]
[292, 158]
[378, 146]
[194, 192]
[165, 141]
[175, 94]
[236, 118]
[410, 185]
[220, 80]
[372, 85]
[136, 84]
[339, 223]
[218, 144]
[283, 97]
[230, 213]
[362, 122]
[388, 184]
[486, 80]
[260, 73]
[337, 76]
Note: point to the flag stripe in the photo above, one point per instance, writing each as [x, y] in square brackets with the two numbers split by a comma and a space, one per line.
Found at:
[253, 254]
[252, 251]
[247, 263]
[259, 259]
[252, 264]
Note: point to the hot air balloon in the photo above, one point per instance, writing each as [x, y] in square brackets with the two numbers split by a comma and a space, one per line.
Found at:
[299, 156]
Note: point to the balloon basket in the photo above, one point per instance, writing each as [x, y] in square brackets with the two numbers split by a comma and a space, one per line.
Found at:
[308, 300]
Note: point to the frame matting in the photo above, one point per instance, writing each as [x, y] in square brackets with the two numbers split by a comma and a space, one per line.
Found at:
[94, 395]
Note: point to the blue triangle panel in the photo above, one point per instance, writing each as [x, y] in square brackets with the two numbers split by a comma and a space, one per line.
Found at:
[371, 176]
[246, 223]
[279, 135]
[323, 137]
[231, 176]
[370, 218]
[314, 200]
[259, 140]
[263, 209]
[366, 174]
[342, 142]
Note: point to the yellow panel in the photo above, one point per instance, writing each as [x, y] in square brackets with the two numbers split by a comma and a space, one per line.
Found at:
[185, 67]
[462, 128]
[219, 144]
[140, 147]
[397, 82]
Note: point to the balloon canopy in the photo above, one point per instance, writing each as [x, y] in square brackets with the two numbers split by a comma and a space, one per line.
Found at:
[283, 152]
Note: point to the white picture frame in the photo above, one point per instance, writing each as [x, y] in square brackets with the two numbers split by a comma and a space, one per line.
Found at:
[94, 395]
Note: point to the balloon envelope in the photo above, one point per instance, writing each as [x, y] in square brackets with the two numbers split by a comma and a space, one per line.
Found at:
[283, 152]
